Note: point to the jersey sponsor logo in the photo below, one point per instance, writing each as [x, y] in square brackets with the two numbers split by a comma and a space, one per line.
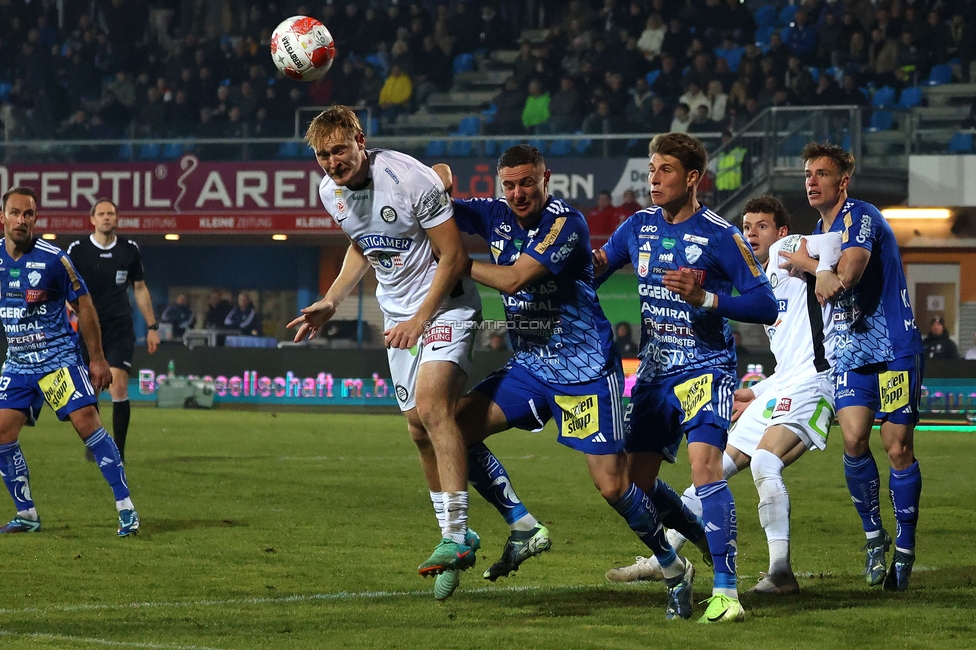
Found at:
[565, 250]
[503, 232]
[665, 257]
[864, 232]
[388, 214]
[389, 172]
[581, 415]
[790, 243]
[781, 305]
[37, 265]
[72, 275]
[22, 312]
[438, 334]
[551, 236]
[36, 295]
[34, 278]
[121, 277]
[747, 255]
[643, 264]
[105, 255]
[370, 242]
[648, 229]
[15, 273]
[504, 227]
[57, 388]
[669, 242]
[893, 385]
[768, 411]
[657, 292]
[434, 200]
[646, 246]
[783, 406]
[848, 220]
[15, 295]
[693, 253]
[13, 284]
[694, 395]
[340, 203]
[695, 239]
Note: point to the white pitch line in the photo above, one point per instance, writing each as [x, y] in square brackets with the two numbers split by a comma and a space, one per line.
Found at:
[266, 600]
[107, 642]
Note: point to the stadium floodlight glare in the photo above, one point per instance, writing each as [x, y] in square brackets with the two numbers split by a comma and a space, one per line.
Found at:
[171, 237]
[279, 237]
[49, 236]
[916, 213]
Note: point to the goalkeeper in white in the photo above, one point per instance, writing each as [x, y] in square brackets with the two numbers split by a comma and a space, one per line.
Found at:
[781, 417]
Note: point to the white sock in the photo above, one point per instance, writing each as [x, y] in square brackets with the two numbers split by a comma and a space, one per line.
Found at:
[28, 514]
[874, 534]
[456, 512]
[124, 504]
[774, 508]
[525, 524]
[729, 468]
[906, 551]
[674, 569]
[437, 500]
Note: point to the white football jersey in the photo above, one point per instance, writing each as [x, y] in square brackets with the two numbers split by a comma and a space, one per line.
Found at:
[388, 221]
[802, 338]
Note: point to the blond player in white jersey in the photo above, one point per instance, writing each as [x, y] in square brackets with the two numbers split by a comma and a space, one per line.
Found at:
[399, 220]
[789, 412]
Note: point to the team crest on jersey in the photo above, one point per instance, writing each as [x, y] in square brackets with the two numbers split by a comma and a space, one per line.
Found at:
[33, 277]
[773, 280]
[693, 253]
[643, 264]
[386, 261]
[388, 214]
[402, 393]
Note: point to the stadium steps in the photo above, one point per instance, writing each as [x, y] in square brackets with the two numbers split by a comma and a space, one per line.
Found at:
[931, 117]
[950, 94]
[455, 100]
[536, 36]
[480, 79]
[502, 59]
[429, 123]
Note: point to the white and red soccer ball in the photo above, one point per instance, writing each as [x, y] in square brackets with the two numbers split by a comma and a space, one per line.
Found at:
[302, 48]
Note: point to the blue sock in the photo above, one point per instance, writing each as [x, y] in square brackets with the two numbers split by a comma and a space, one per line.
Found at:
[673, 512]
[718, 513]
[641, 516]
[906, 489]
[489, 478]
[15, 476]
[107, 457]
[864, 485]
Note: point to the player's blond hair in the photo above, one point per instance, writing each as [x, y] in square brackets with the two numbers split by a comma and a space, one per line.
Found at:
[842, 158]
[334, 121]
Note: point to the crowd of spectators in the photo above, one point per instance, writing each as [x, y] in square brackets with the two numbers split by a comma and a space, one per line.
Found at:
[165, 68]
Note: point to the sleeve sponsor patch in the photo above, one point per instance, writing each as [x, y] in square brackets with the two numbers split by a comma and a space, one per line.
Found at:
[551, 236]
[747, 255]
[72, 274]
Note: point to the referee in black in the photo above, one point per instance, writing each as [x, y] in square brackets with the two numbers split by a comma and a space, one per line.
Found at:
[109, 265]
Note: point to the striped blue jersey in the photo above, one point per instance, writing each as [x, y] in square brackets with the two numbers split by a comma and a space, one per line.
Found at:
[874, 319]
[33, 290]
[676, 337]
[557, 326]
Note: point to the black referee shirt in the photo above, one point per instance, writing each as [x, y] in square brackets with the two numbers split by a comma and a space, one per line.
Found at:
[108, 272]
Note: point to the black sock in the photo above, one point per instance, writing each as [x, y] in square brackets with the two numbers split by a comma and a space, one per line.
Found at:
[120, 424]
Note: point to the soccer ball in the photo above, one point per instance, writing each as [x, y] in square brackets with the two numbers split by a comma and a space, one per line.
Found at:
[302, 48]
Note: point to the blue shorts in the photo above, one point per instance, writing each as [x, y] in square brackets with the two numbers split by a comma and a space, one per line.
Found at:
[892, 390]
[66, 390]
[662, 411]
[590, 415]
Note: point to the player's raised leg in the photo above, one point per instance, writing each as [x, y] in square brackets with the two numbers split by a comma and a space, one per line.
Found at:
[480, 416]
[13, 469]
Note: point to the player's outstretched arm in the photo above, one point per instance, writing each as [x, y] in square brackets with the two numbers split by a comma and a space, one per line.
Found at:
[144, 302]
[452, 261]
[317, 314]
[509, 279]
[98, 369]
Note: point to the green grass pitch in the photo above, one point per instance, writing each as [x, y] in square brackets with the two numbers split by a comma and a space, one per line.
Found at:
[293, 530]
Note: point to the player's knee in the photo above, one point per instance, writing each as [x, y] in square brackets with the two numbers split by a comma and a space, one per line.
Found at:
[419, 435]
[434, 414]
[765, 465]
[612, 488]
[901, 455]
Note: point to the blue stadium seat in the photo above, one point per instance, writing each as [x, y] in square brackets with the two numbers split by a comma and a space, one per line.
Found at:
[883, 97]
[940, 74]
[436, 148]
[305, 151]
[560, 147]
[961, 143]
[836, 73]
[787, 13]
[150, 151]
[506, 144]
[5, 89]
[583, 145]
[538, 144]
[910, 98]
[881, 121]
[652, 77]
[459, 148]
[793, 145]
[491, 147]
[766, 16]
[172, 150]
[845, 142]
[764, 33]
[470, 125]
[463, 62]
[288, 149]
[124, 152]
[814, 72]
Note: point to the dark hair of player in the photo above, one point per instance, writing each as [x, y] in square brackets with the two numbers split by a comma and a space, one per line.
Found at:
[22, 190]
[770, 205]
[521, 154]
[687, 149]
[843, 159]
[335, 120]
[102, 200]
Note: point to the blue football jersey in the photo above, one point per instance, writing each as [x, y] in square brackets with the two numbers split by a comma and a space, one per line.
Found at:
[676, 337]
[33, 291]
[558, 330]
[873, 320]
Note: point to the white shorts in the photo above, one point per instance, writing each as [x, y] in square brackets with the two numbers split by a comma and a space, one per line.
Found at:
[805, 406]
[450, 337]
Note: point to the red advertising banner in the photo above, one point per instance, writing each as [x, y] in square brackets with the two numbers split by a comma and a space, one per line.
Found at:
[182, 196]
